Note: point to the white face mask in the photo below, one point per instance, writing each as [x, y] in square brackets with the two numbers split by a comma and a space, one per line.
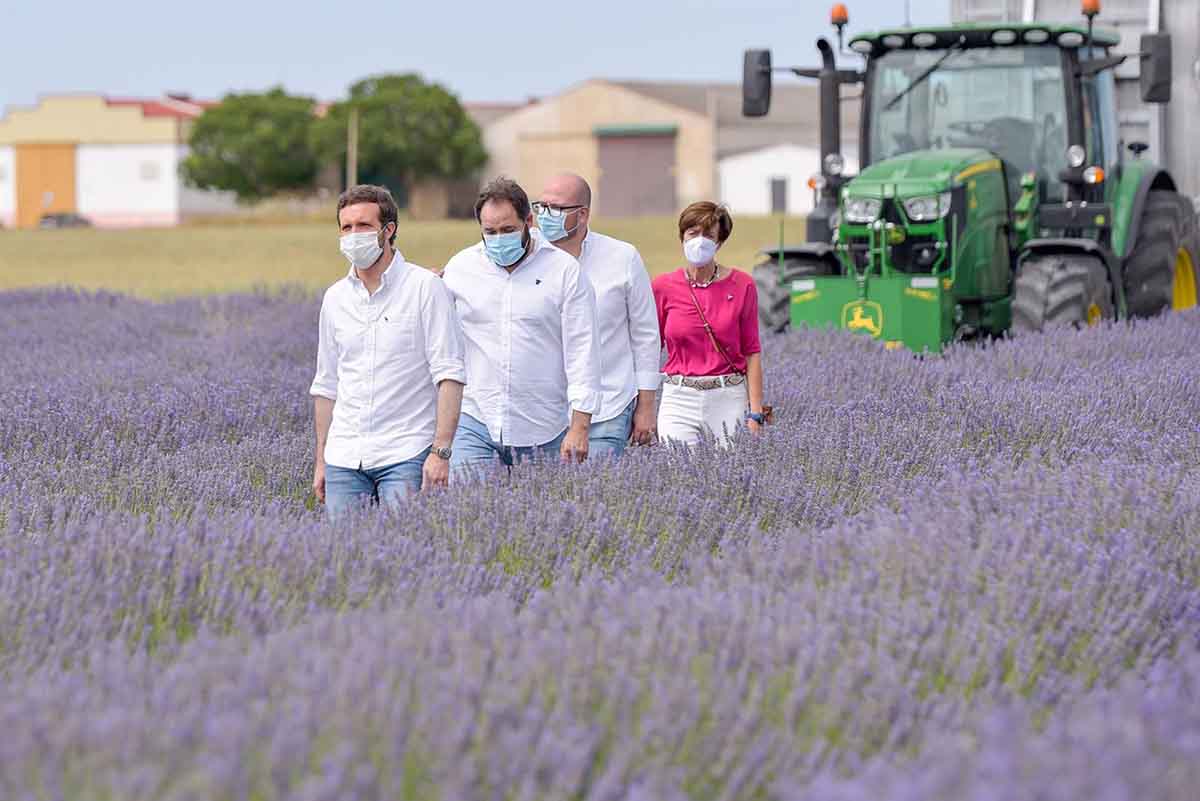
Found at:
[699, 251]
[361, 249]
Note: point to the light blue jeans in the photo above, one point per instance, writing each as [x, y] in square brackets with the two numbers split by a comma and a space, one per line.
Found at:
[475, 451]
[609, 438]
[347, 489]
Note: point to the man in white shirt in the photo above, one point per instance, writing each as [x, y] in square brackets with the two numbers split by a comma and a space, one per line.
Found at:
[529, 321]
[390, 367]
[625, 315]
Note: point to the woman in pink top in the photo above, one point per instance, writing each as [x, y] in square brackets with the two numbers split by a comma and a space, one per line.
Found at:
[709, 385]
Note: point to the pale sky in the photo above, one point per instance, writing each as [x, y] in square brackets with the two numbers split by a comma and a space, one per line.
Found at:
[497, 51]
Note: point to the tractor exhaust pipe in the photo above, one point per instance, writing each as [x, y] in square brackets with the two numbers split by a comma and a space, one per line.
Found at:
[820, 221]
[831, 103]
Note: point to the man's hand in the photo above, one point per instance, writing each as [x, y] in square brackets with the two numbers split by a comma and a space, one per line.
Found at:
[754, 427]
[575, 444]
[435, 472]
[318, 485]
[645, 424]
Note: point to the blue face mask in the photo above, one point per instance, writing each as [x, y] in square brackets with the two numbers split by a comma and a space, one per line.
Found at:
[555, 228]
[505, 250]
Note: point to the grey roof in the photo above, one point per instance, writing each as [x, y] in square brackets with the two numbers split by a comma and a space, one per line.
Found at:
[794, 117]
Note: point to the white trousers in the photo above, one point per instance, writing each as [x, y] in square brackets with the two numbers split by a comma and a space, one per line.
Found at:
[685, 412]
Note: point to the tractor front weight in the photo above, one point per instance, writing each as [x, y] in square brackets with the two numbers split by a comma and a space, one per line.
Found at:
[875, 296]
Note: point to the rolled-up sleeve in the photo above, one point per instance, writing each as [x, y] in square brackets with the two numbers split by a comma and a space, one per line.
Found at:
[581, 342]
[444, 347]
[643, 325]
[748, 323]
[325, 382]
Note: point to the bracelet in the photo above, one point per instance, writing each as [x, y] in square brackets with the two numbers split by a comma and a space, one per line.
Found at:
[757, 417]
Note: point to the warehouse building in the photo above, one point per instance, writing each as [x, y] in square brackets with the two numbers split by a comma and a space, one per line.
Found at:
[114, 161]
[649, 148]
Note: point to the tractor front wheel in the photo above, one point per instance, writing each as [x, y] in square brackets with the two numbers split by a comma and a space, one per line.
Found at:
[775, 287]
[1061, 289]
[1160, 272]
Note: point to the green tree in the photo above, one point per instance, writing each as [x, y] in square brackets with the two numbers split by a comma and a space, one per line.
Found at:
[254, 145]
[409, 130]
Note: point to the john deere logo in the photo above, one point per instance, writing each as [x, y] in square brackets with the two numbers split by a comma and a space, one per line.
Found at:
[863, 315]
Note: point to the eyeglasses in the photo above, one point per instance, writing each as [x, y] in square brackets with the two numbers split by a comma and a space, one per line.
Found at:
[554, 211]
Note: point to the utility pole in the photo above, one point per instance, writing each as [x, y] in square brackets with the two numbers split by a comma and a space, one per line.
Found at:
[907, 13]
[352, 148]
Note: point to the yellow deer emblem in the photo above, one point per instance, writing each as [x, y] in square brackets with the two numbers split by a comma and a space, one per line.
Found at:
[864, 315]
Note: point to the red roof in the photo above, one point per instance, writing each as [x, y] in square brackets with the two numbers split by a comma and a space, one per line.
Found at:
[176, 107]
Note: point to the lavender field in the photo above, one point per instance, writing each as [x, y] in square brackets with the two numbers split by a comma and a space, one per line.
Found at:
[971, 577]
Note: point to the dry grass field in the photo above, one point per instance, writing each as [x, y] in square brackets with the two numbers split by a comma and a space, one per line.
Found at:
[201, 259]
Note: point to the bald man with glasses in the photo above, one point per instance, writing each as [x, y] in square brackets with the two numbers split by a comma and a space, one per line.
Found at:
[625, 315]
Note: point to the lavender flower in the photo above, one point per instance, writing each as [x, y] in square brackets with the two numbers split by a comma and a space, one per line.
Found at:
[973, 576]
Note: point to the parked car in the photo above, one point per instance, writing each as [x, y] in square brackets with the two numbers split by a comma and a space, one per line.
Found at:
[67, 219]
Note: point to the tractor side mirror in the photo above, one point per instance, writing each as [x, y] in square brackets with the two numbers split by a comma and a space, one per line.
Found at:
[756, 83]
[1156, 67]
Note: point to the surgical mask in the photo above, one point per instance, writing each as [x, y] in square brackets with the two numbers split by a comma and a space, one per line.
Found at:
[555, 228]
[699, 250]
[505, 250]
[361, 249]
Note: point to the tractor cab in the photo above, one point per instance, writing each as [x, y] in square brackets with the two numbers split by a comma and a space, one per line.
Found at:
[983, 147]
[998, 89]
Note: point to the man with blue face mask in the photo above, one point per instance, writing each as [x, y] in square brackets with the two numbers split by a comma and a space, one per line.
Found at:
[626, 316]
[529, 322]
[390, 367]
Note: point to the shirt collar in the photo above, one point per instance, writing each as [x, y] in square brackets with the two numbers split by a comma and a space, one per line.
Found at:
[540, 242]
[394, 269]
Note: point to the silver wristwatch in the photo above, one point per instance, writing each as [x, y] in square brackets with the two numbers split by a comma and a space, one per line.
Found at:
[442, 452]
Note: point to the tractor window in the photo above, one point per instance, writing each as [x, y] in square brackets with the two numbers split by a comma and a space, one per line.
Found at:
[1100, 118]
[1009, 100]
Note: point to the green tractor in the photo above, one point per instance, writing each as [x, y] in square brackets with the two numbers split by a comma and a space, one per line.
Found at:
[994, 194]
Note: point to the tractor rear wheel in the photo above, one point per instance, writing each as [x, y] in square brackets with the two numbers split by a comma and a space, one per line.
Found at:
[775, 287]
[1061, 289]
[1160, 272]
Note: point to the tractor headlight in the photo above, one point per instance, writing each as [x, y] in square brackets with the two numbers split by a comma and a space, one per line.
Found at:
[928, 207]
[863, 209]
[1076, 155]
[834, 164]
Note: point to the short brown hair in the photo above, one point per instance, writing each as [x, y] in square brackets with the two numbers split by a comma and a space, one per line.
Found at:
[509, 191]
[369, 193]
[705, 215]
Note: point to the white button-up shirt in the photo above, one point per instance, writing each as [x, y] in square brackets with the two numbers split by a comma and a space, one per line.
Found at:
[627, 319]
[380, 358]
[532, 345]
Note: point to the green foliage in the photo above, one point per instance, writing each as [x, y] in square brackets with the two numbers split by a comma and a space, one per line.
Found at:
[254, 145]
[409, 130]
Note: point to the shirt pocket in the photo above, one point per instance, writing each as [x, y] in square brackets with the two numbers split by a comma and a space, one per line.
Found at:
[397, 334]
[536, 315]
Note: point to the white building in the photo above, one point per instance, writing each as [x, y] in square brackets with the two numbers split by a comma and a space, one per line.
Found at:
[113, 161]
[773, 179]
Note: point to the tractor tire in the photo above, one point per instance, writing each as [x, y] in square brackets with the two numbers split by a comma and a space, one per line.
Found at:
[1061, 289]
[775, 287]
[1166, 237]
